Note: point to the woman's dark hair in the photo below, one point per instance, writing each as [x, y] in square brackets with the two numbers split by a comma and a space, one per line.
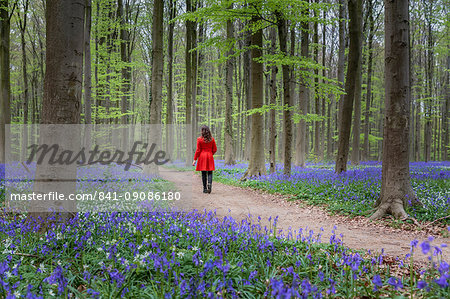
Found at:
[206, 134]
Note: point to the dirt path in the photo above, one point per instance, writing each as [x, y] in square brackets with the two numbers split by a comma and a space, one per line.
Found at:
[241, 202]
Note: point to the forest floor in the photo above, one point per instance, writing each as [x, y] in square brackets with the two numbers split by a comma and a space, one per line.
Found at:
[357, 233]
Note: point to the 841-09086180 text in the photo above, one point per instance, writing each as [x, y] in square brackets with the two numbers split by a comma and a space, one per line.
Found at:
[98, 195]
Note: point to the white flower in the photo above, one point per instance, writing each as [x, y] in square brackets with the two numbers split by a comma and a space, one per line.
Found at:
[42, 268]
[195, 248]
[8, 274]
[180, 254]
[17, 294]
[99, 249]
[51, 293]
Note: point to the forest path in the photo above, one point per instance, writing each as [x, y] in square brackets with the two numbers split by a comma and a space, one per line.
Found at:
[239, 202]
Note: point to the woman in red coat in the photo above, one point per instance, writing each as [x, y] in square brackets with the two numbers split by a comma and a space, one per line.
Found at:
[206, 148]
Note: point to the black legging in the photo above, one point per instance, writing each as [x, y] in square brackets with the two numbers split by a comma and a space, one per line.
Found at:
[204, 173]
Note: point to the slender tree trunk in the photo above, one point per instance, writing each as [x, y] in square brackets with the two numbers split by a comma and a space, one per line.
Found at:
[256, 165]
[248, 94]
[5, 87]
[157, 77]
[366, 145]
[355, 14]
[396, 190]
[87, 73]
[341, 57]
[322, 100]
[169, 110]
[22, 22]
[355, 156]
[445, 115]
[273, 99]
[316, 144]
[229, 153]
[303, 98]
[188, 88]
[429, 82]
[287, 119]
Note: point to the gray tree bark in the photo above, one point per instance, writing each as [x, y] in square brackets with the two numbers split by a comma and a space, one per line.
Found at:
[445, 115]
[366, 145]
[87, 73]
[256, 166]
[157, 78]
[5, 87]
[355, 33]
[169, 110]
[188, 86]
[396, 188]
[229, 152]
[62, 99]
[303, 97]
[273, 99]
[287, 119]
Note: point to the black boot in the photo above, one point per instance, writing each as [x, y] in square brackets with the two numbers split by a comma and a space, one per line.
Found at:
[209, 181]
[205, 190]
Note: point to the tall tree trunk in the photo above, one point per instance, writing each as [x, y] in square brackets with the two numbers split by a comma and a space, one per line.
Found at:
[303, 98]
[341, 58]
[355, 156]
[248, 93]
[323, 101]
[188, 88]
[366, 145]
[355, 32]
[256, 166]
[126, 71]
[169, 110]
[22, 22]
[396, 188]
[273, 99]
[5, 87]
[87, 73]
[445, 114]
[287, 119]
[229, 153]
[429, 82]
[317, 99]
[157, 76]
[62, 100]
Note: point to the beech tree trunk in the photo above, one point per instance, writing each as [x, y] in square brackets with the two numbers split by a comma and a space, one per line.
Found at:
[22, 24]
[62, 100]
[87, 73]
[396, 190]
[317, 145]
[157, 77]
[355, 33]
[341, 58]
[5, 87]
[355, 156]
[445, 115]
[169, 110]
[303, 98]
[188, 86]
[256, 166]
[248, 94]
[273, 99]
[229, 152]
[287, 119]
[366, 145]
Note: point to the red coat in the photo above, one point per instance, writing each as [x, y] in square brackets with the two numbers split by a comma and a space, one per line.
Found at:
[204, 154]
